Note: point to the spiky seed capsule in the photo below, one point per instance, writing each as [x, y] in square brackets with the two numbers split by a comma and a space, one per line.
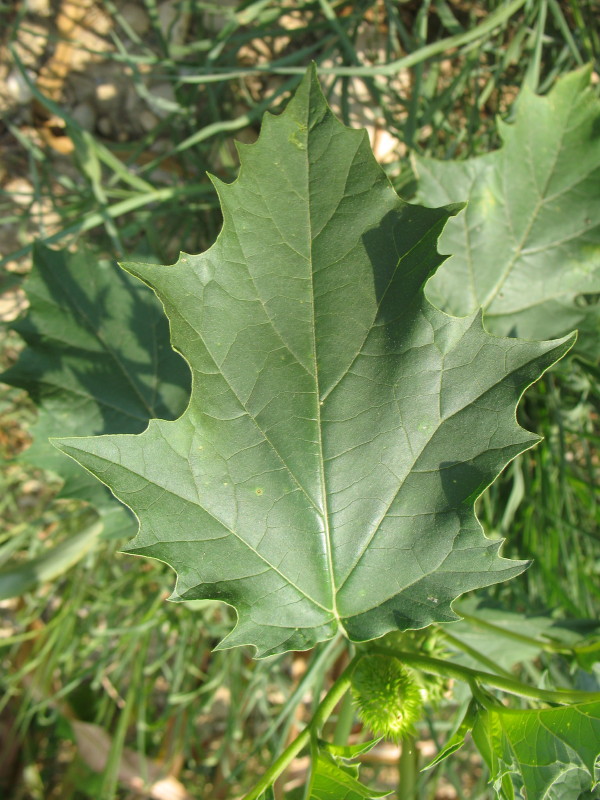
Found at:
[426, 643]
[387, 696]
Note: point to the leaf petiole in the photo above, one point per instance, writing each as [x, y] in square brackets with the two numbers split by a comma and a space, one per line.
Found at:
[324, 711]
[510, 685]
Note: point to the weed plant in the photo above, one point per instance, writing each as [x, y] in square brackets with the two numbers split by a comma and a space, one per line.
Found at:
[99, 644]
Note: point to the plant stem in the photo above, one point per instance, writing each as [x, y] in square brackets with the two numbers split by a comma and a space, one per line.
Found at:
[470, 651]
[450, 670]
[53, 563]
[490, 23]
[314, 754]
[433, 665]
[345, 720]
[324, 711]
[89, 221]
[318, 666]
[409, 769]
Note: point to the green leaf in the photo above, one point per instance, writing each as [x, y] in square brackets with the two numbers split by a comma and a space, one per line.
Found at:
[549, 753]
[340, 427]
[97, 360]
[349, 750]
[331, 779]
[457, 740]
[495, 631]
[24, 577]
[588, 655]
[528, 243]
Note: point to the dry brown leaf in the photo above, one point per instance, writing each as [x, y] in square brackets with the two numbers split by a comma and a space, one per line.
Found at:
[94, 744]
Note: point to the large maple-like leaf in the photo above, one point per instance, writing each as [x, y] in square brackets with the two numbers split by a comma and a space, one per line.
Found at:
[97, 360]
[527, 246]
[340, 427]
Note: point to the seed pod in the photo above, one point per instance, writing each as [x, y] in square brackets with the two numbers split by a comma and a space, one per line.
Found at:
[387, 696]
[425, 643]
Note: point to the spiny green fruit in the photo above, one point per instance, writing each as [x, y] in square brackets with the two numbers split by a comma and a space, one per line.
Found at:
[387, 696]
[425, 643]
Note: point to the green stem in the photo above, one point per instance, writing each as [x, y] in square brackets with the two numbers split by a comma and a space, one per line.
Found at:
[475, 654]
[409, 769]
[490, 23]
[449, 670]
[587, 648]
[324, 711]
[432, 665]
[318, 666]
[93, 220]
[345, 720]
[314, 754]
[483, 698]
[53, 563]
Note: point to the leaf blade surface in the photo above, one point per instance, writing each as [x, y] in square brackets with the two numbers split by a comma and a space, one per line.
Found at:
[527, 246]
[551, 753]
[340, 427]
